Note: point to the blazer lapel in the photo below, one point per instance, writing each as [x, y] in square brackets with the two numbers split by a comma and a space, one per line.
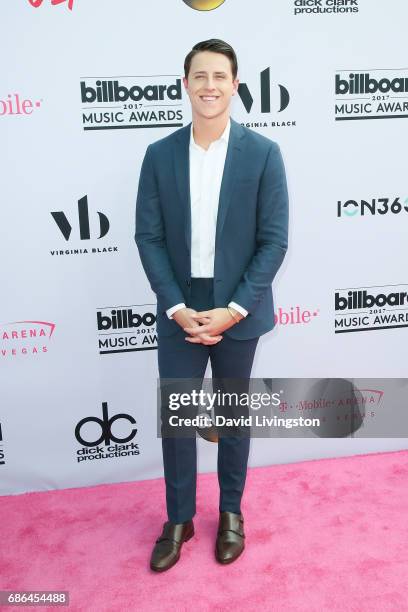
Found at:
[181, 161]
[231, 170]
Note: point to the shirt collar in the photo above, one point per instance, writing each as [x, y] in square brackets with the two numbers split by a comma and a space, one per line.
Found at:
[224, 136]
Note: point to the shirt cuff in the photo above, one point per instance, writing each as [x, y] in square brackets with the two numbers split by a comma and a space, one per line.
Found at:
[239, 308]
[173, 309]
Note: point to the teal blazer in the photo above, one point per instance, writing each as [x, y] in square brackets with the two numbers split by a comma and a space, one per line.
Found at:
[251, 232]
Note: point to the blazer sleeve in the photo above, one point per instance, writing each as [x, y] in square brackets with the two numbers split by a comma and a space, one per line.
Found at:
[150, 238]
[271, 233]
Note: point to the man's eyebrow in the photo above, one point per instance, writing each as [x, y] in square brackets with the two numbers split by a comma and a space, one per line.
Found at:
[205, 72]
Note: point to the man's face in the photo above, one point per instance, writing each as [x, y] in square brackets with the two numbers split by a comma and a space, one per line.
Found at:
[210, 85]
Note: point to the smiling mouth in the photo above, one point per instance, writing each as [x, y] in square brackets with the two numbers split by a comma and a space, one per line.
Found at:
[209, 98]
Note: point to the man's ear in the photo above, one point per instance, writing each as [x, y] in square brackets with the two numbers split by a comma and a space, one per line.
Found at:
[236, 85]
[185, 82]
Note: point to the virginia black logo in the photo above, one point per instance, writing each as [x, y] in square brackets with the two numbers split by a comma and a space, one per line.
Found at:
[371, 308]
[83, 216]
[272, 98]
[66, 228]
[376, 91]
[265, 90]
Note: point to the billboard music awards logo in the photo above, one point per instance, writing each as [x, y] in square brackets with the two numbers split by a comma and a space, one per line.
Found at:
[315, 7]
[371, 94]
[81, 224]
[370, 308]
[25, 338]
[263, 98]
[2, 456]
[204, 5]
[124, 329]
[16, 105]
[127, 102]
[106, 437]
[295, 315]
[372, 207]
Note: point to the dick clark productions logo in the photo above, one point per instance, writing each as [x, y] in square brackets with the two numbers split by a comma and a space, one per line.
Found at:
[101, 446]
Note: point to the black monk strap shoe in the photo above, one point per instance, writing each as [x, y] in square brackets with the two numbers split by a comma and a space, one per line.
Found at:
[166, 551]
[230, 537]
[208, 433]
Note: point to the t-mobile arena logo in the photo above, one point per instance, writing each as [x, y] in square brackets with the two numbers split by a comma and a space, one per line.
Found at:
[38, 3]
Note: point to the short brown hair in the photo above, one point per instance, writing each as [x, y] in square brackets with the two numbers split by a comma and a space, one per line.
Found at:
[216, 46]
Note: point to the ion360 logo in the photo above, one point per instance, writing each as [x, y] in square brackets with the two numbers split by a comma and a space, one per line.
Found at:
[373, 206]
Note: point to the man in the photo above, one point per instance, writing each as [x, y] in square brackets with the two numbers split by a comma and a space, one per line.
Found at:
[211, 230]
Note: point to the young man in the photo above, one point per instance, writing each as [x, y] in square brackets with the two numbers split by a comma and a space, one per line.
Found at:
[211, 230]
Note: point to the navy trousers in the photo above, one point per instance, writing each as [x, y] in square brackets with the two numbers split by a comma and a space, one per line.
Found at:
[178, 358]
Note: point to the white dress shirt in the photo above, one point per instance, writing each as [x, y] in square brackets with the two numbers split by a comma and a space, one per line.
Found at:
[206, 171]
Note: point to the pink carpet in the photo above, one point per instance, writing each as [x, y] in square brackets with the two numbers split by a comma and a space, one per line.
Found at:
[321, 535]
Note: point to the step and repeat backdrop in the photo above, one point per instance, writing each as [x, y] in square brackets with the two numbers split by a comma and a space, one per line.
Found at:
[85, 86]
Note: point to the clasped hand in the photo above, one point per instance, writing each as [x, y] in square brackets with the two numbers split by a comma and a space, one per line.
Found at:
[205, 326]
